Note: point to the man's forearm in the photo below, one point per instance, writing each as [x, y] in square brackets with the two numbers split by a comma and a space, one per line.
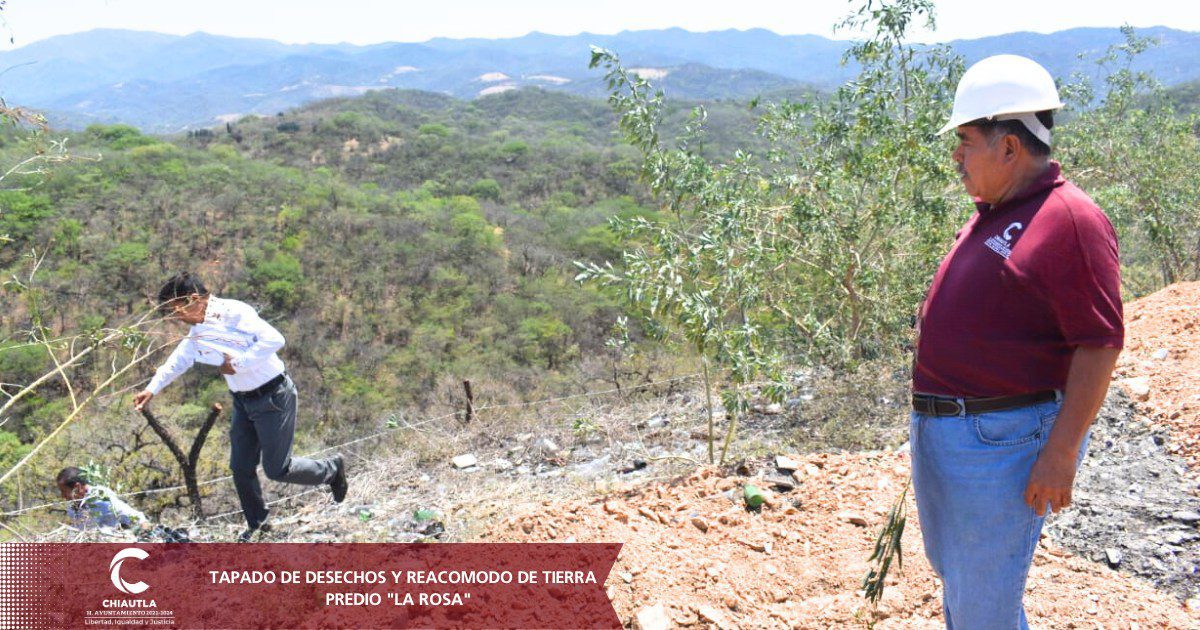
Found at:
[1087, 384]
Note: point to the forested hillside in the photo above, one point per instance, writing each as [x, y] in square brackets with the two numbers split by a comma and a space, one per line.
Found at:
[406, 241]
[402, 242]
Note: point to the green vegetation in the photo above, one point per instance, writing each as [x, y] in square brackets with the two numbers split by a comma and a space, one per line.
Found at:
[822, 249]
[404, 241]
[1136, 153]
[400, 241]
[809, 251]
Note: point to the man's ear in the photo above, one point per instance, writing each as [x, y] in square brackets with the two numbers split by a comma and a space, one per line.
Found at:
[1012, 146]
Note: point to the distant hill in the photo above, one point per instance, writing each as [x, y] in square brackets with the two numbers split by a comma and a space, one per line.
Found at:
[168, 83]
[1186, 96]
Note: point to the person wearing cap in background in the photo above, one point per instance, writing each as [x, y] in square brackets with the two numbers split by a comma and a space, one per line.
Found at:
[1017, 339]
[95, 506]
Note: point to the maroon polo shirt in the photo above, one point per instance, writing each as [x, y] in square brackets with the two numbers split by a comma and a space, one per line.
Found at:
[1026, 282]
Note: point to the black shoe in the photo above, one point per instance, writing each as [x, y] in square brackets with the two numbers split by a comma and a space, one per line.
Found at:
[338, 483]
[248, 534]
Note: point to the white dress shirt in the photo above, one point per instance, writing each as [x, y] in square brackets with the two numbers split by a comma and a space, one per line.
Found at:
[229, 328]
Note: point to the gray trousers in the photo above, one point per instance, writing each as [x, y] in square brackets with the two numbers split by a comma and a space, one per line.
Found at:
[263, 428]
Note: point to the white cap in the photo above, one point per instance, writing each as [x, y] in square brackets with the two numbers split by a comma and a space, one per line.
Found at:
[1005, 87]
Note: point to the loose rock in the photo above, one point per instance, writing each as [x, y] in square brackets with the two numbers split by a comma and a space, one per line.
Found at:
[713, 616]
[1113, 556]
[780, 483]
[853, 518]
[1187, 517]
[465, 461]
[1139, 388]
[653, 618]
[786, 464]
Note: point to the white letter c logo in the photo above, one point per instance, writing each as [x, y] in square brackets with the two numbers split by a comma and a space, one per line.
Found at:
[115, 571]
[1008, 230]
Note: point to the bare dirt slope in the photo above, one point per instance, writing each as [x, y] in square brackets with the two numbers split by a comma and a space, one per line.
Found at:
[698, 553]
[799, 562]
[1160, 367]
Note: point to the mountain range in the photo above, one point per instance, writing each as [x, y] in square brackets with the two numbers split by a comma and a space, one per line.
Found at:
[169, 83]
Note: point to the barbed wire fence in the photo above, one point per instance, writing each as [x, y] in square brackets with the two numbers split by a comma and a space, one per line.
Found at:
[375, 435]
[404, 426]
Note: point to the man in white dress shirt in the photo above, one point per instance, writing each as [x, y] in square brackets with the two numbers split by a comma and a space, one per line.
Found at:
[230, 334]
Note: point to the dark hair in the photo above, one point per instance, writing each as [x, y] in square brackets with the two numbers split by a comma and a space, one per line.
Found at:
[180, 285]
[997, 128]
[70, 476]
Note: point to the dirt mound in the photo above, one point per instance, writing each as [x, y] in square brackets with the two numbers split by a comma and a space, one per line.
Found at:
[691, 546]
[1161, 360]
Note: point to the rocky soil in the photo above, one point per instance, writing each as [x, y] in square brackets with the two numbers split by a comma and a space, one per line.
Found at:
[1135, 503]
[1160, 365]
[1124, 555]
[695, 557]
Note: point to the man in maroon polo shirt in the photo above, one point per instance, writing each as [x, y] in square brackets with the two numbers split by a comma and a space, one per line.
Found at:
[1019, 334]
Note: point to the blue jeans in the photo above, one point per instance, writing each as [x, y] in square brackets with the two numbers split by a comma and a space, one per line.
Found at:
[969, 477]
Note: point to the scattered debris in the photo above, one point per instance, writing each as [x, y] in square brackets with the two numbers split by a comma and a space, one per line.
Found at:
[1131, 495]
[753, 497]
[815, 561]
[465, 461]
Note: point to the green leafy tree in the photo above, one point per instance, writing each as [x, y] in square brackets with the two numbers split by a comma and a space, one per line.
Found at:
[1136, 154]
[821, 247]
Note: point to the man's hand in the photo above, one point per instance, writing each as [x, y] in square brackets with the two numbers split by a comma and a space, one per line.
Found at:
[1050, 481]
[141, 400]
[227, 366]
[1053, 473]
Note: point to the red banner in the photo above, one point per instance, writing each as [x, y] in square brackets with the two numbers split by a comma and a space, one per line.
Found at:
[467, 585]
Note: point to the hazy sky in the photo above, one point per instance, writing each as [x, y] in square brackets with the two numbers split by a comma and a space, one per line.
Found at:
[367, 21]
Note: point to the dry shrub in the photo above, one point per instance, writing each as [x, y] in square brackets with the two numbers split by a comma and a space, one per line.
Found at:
[864, 408]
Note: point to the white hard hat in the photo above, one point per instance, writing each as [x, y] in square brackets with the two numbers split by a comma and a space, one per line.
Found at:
[1005, 87]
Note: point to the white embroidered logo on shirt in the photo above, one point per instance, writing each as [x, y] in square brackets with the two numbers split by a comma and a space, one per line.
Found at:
[1001, 244]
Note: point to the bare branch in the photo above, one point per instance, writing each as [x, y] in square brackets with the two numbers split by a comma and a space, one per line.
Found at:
[117, 373]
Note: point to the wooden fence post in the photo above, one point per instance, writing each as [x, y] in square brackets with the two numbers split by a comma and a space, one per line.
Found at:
[470, 413]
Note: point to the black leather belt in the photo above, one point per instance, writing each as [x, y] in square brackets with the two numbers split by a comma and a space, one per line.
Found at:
[947, 406]
[262, 390]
